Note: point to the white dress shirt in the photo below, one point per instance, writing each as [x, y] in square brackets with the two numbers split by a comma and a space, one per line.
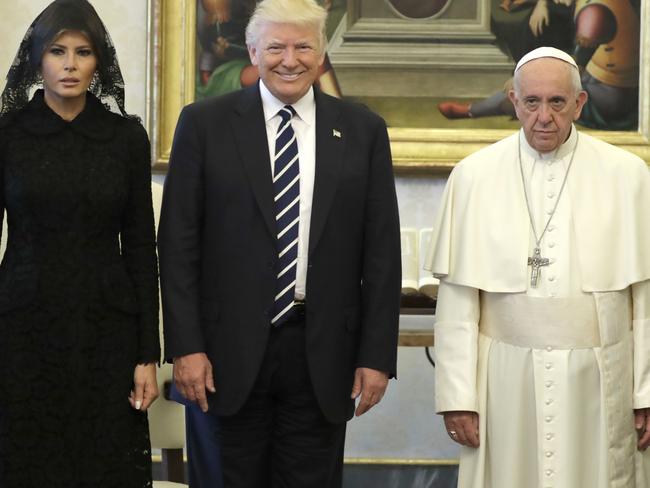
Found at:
[304, 126]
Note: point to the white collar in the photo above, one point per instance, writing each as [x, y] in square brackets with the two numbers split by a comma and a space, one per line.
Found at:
[305, 107]
[560, 153]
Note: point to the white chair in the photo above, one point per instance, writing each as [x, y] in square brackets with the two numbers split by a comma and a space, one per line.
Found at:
[167, 430]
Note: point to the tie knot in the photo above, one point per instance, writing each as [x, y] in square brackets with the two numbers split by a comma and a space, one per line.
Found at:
[286, 112]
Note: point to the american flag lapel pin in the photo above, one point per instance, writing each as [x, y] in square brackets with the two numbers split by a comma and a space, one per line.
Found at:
[336, 133]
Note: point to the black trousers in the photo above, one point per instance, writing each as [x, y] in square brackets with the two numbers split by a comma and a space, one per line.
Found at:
[280, 438]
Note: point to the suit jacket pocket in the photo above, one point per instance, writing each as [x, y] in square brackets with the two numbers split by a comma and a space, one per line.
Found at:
[18, 285]
[119, 291]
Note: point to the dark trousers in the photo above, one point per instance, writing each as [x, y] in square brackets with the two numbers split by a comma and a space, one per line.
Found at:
[280, 438]
[203, 451]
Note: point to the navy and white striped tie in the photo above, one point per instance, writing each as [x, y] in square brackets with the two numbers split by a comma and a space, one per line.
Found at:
[286, 186]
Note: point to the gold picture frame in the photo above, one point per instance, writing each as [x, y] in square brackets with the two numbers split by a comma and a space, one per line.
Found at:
[172, 64]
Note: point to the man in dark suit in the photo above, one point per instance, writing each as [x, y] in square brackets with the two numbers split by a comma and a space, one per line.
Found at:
[280, 260]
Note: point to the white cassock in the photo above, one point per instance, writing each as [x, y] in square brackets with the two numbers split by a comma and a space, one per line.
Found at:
[554, 371]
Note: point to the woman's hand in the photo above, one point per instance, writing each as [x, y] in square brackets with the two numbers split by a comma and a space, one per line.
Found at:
[145, 389]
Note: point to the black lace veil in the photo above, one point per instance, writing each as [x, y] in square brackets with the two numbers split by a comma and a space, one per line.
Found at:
[64, 15]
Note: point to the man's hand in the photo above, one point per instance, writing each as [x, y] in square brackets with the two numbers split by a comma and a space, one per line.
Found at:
[370, 384]
[192, 375]
[145, 386]
[642, 426]
[462, 427]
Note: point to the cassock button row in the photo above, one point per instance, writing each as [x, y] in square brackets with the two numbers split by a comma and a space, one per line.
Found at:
[549, 348]
[551, 228]
[550, 177]
[548, 419]
[551, 278]
[550, 194]
[551, 244]
[549, 472]
[549, 436]
[548, 365]
[549, 211]
[548, 454]
[549, 401]
[549, 384]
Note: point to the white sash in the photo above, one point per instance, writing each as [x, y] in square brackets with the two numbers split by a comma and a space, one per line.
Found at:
[560, 323]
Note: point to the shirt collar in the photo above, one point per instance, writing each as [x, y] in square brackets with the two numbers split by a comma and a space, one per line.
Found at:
[94, 121]
[305, 107]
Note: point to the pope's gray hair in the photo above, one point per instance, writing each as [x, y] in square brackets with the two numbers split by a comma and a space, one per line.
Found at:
[573, 73]
[297, 12]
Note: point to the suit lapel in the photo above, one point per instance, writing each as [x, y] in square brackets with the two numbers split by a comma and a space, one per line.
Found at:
[250, 135]
[330, 141]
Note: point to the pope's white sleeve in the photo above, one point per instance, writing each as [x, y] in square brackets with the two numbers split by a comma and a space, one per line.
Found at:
[456, 347]
[641, 326]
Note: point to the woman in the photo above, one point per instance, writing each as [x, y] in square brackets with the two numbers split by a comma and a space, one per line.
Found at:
[78, 282]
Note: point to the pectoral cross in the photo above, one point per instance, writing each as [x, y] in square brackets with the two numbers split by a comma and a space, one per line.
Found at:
[537, 261]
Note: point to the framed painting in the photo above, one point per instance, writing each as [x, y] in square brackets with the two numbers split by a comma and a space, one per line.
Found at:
[404, 59]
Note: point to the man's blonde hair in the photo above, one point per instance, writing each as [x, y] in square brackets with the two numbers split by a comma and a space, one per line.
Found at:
[305, 13]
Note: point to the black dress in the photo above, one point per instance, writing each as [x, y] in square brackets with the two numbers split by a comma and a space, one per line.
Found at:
[78, 298]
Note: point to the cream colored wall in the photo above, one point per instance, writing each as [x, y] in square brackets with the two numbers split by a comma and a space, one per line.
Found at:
[126, 21]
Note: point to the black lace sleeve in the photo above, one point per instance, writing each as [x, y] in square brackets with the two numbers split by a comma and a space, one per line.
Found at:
[138, 241]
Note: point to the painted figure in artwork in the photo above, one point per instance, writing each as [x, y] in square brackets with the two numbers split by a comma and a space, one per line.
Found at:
[607, 47]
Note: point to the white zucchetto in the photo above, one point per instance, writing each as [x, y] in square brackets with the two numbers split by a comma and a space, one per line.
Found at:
[546, 52]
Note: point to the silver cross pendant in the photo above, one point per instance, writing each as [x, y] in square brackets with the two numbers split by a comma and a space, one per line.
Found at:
[536, 261]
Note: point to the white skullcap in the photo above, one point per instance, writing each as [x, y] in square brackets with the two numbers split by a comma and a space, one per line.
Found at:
[546, 52]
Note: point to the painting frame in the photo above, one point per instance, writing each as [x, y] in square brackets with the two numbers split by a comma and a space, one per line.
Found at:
[172, 67]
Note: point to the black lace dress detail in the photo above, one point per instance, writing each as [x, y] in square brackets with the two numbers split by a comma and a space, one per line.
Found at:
[78, 298]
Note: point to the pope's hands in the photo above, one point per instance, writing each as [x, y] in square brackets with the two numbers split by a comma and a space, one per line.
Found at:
[145, 386]
[192, 376]
[642, 426]
[370, 385]
[462, 427]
